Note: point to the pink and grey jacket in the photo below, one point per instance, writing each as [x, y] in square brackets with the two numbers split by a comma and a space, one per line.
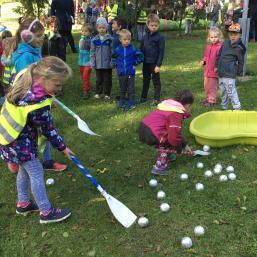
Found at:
[166, 123]
[211, 54]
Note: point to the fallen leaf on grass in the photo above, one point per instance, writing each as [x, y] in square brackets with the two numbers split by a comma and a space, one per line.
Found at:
[139, 185]
[44, 233]
[246, 149]
[192, 251]
[158, 248]
[255, 182]
[243, 208]
[118, 161]
[103, 170]
[101, 161]
[100, 199]
[65, 234]
[220, 222]
[91, 253]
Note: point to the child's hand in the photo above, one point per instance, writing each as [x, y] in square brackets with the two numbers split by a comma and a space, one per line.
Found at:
[187, 150]
[67, 153]
[157, 69]
[202, 62]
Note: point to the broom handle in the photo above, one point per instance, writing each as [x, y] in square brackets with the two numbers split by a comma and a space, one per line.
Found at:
[73, 114]
[88, 175]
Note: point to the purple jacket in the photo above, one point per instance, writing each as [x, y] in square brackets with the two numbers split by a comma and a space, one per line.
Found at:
[25, 148]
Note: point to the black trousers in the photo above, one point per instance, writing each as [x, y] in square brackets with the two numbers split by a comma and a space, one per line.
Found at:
[67, 35]
[103, 81]
[127, 85]
[148, 74]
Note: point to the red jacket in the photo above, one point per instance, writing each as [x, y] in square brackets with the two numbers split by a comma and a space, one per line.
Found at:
[210, 56]
[166, 122]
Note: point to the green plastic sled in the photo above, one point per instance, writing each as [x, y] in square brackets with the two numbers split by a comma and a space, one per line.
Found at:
[222, 128]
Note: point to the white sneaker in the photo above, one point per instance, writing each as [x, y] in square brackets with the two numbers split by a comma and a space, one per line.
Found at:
[96, 96]
[107, 97]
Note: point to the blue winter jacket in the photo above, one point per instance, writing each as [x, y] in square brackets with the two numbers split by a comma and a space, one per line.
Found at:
[25, 55]
[101, 52]
[126, 58]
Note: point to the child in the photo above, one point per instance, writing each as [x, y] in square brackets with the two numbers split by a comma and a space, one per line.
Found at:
[230, 63]
[27, 50]
[95, 15]
[211, 53]
[84, 58]
[53, 42]
[141, 23]
[162, 128]
[29, 102]
[3, 88]
[126, 57]
[100, 58]
[189, 18]
[117, 25]
[152, 46]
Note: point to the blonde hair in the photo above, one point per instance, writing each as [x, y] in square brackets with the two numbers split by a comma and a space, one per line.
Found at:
[25, 23]
[153, 18]
[7, 45]
[216, 31]
[124, 33]
[48, 68]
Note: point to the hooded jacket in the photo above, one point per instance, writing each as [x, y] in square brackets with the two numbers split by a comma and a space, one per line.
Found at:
[126, 58]
[101, 52]
[230, 61]
[166, 123]
[25, 147]
[25, 55]
[211, 54]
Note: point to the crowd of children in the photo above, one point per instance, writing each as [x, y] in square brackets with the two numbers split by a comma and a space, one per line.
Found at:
[29, 83]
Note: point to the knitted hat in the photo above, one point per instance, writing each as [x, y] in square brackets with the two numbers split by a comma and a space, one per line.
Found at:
[93, 2]
[234, 27]
[102, 21]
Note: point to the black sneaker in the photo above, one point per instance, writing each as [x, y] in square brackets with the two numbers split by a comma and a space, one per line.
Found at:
[55, 215]
[25, 211]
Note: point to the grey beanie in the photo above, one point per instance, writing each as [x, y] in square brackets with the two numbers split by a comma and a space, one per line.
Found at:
[102, 21]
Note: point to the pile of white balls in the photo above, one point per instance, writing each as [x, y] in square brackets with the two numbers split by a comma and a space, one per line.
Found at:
[186, 242]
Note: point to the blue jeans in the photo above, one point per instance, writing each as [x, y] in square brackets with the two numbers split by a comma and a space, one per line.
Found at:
[31, 176]
[47, 158]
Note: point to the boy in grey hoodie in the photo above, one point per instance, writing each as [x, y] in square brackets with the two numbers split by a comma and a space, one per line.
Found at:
[229, 64]
[100, 59]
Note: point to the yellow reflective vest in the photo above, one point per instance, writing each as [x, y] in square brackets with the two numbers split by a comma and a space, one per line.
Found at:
[142, 19]
[112, 12]
[13, 119]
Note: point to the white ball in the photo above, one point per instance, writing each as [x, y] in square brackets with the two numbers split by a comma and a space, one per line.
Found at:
[232, 176]
[230, 169]
[206, 148]
[143, 222]
[199, 186]
[183, 176]
[49, 181]
[208, 173]
[199, 230]
[219, 166]
[217, 170]
[186, 242]
[223, 178]
[199, 165]
[153, 183]
[161, 195]
[165, 207]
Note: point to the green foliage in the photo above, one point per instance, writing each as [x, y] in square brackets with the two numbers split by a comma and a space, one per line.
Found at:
[31, 7]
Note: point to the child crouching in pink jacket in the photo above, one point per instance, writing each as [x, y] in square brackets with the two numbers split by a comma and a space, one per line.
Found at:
[162, 128]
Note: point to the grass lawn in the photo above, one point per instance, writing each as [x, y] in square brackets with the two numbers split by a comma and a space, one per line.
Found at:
[122, 166]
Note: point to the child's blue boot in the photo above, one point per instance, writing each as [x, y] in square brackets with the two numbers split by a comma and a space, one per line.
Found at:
[131, 105]
[121, 104]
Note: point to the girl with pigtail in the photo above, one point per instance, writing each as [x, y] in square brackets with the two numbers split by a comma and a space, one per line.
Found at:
[25, 112]
[27, 50]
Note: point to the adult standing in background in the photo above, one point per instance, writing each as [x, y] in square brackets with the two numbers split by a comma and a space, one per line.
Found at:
[253, 16]
[64, 10]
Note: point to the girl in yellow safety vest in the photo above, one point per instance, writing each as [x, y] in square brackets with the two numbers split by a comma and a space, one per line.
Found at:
[25, 112]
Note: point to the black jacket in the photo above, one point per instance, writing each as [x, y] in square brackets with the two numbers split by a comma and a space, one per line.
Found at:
[230, 62]
[152, 46]
[54, 47]
[63, 9]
